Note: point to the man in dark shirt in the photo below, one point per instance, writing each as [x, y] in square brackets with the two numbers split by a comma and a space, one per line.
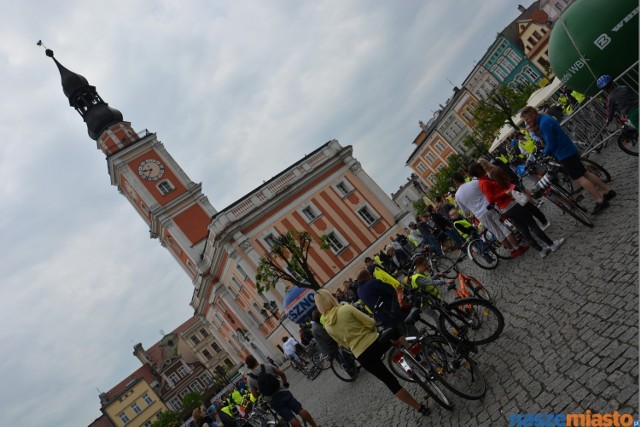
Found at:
[620, 98]
[445, 226]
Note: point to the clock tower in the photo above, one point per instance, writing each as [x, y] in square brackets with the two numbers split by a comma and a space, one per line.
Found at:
[172, 205]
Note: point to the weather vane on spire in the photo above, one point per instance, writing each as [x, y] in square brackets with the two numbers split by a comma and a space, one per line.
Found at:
[39, 43]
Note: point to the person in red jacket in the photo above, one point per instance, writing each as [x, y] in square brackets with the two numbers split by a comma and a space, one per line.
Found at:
[499, 196]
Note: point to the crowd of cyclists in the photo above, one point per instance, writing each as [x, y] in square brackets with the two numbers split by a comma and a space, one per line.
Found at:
[355, 313]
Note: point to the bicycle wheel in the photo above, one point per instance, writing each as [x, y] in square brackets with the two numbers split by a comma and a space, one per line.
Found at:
[570, 206]
[472, 319]
[596, 169]
[629, 143]
[483, 255]
[396, 368]
[427, 380]
[458, 373]
[320, 360]
[447, 266]
[498, 247]
[347, 370]
[477, 289]
[565, 181]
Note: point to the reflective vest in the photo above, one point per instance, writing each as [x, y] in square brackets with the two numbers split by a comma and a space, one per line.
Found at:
[577, 96]
[227, 410]
[528, 144]
[377, 260]
[460, 225]
[237, 397]
[385, 277]
[503, 159]
[432, 289]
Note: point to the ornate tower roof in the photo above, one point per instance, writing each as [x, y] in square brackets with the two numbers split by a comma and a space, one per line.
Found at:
[85, 99]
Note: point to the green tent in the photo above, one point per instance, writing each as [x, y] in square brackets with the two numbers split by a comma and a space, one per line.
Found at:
[591, 38]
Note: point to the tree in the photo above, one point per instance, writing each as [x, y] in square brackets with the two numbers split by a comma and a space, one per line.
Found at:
[192, 400]
[420, 206]
[167, 419]
[455, 163]
[288, 260]
[495, 111]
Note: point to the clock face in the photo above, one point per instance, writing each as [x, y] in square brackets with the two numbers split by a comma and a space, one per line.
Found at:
[151, 169]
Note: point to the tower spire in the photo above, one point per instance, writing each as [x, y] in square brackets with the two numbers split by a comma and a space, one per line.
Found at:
[85, 99]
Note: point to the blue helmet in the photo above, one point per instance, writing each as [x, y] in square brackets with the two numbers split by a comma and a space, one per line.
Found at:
[603, 81]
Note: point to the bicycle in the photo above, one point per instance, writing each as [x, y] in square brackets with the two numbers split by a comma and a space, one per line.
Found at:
[437, 263]
[344, 365]
[404, 359]
[549, 187]
[432, 358]
[628, 139]
[481, 252]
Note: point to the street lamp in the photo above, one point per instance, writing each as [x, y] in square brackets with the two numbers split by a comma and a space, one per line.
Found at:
[269, 311]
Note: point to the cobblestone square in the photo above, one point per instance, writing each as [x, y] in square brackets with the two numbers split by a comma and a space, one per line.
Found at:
[571, 336]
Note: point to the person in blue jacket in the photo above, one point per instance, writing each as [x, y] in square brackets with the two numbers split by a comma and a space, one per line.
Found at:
[558, 144]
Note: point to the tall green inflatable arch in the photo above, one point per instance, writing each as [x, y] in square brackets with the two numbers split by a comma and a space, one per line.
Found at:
[594, 37]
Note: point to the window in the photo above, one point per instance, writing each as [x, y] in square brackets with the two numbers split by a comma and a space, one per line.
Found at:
[335, 242]
[367, 215]
[175, 403]
[196, 386]
[183, 392]
[430, 157]
[432, 179]
[205, 379]
[215, 347]
[422, 168]
[531, 73]
[270, 240]
[136, 408]
[206, 354]
[123, 417]
[204, 332]
[195, 340]
[165, 187]
[147, 424]
[228, 363]
[343, 188]
[147, 399]
[309, 213]
[174, 378]
[238, 286]
[182, 371]
[438, 146]
[242, 273]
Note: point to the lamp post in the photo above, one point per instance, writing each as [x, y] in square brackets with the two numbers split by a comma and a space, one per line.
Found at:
[269, 311]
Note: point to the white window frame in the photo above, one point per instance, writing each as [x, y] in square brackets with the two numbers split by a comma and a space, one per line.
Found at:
[147, 424]
[165, 187]
[339, 239]
[217, 346]
[439, 146]
[343, 188]
[182, 371]
[241, 272]
[205, 378]
[430, 157]
[269, 239]
[147, 399]
[183, 393]
[196, 386]
[176, 403]
[174, 377]
[206, 352]
[421, 167]
[124, 418]
[136, 408]
[310, 212]
[204, 332]
[368, 215]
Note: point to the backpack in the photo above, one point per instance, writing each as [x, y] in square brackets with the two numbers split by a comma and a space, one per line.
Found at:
[268, 383]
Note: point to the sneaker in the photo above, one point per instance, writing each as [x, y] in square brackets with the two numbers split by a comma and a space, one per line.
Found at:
[545, 251]
[424, 410]
[545, 226]
[600, 207]
[556, 244]
[610, 195]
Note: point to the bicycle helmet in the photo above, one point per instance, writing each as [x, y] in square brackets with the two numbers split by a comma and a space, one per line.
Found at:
[603, 81]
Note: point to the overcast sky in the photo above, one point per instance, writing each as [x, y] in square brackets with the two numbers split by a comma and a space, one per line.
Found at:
[237, 91]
